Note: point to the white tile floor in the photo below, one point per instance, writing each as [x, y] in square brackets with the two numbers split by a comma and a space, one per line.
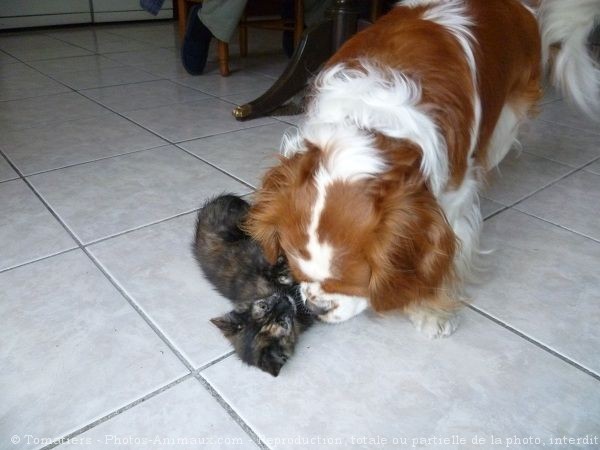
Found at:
[107, 149]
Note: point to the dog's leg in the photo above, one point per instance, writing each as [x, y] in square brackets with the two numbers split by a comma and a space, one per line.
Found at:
[434, 319]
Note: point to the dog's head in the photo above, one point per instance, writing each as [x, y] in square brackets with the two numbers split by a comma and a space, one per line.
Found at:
[359, 222]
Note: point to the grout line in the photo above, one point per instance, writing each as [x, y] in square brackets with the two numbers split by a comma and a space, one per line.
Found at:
[83, 163]
[110, 279]
[17, 266]
[534, 342]
[225, 132]
[214, 361]
[245, 183]
[141, 227]
[228, 408]
[140, 311]
[595, 133]
[558, 226]
[116, 412]
[104, 158]
[495, 213]
[552, 183]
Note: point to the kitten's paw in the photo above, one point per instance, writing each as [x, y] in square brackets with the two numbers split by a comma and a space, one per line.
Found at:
[434, 324]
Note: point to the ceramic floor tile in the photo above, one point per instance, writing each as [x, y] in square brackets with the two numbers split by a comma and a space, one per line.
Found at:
[564, 114]
[551, 94]
[25, 41]
[106, 197]
[189, 121]
[6, 172]
[29, 85]
[543, 281]
[594, 168]
[160, 34]
[489, 207]
[144, 57]
[246, 154]
[110, 76]
[243, 97]
[27, 229]
[234, 84]
[40, 111]
[144, 95]
[39, 149]
[77, 349]
[156, 267]
[271, 65]
[103, 42]
[62, 50]
[483, 380]
[6, 58]
[171, 71]
[55, 67]
[292, 120]
[185, 413]
[572, 203]
[16, 69]
[560, 143]
[521, 174]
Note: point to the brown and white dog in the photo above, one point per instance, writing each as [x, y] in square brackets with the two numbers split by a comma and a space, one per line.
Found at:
[375, 201]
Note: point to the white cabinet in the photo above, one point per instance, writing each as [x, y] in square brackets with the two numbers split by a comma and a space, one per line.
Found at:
[121, 10]
[35, 13]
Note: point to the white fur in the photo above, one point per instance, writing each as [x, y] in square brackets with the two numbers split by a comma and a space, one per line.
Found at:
[462, 210]
[574, 71]
[339, 307]
[318, 266]
[349, 155]
[377, 99]
[505, 133]
[453, 16]
[431, 322]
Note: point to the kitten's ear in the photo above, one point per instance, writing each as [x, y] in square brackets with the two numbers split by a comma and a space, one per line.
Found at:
[228, 324]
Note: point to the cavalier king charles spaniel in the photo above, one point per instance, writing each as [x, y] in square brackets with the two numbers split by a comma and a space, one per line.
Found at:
[375, 199]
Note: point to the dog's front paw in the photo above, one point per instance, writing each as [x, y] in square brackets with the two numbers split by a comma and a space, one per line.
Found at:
[434, 324]
[331, 308]
[344, 309]
[314, 299]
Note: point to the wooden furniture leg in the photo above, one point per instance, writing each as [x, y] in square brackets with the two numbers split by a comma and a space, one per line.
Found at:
[182, 12]
[298, 21]
[317, 45]
[223, 58]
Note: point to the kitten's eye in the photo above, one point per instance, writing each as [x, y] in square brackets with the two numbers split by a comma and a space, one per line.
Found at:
[262, 305]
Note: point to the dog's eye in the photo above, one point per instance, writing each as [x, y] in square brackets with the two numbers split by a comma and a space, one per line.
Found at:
[262, 305]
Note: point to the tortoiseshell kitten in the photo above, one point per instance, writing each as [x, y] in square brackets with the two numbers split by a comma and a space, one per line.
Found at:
[264, 332]
[269, 313]
[230, 259]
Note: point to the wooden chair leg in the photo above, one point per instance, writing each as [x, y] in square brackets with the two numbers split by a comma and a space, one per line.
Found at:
[243, 34]
[182, 12]
[223, 49]
[375, 10]
[298, 21]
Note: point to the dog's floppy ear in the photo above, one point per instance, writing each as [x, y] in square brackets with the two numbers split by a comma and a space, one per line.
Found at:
[266, 211]
[412, 257]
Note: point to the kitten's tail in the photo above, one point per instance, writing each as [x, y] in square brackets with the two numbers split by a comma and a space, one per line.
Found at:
[574, 71]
